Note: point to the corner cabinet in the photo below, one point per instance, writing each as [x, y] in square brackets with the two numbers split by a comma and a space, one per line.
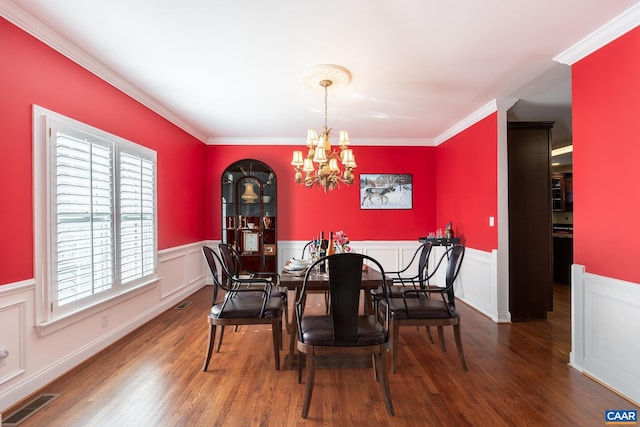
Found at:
[249, 213]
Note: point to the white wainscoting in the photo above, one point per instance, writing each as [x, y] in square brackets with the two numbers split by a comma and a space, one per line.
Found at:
[605, 314]
[36, 360]
[392, 255]
[477, 284]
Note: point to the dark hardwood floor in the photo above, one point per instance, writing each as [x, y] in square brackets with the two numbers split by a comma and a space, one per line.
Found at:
[518, 376]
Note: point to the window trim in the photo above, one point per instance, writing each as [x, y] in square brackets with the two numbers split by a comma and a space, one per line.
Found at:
[44, 193]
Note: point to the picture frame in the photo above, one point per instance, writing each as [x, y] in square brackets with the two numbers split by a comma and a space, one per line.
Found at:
[386, 191]
[269, 249]
[250, 242]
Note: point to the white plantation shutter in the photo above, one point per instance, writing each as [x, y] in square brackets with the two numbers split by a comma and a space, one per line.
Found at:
[96, 196]
[84, 217]
[137, 207]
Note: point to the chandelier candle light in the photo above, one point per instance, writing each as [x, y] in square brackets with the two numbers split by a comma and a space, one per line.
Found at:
[328, 174]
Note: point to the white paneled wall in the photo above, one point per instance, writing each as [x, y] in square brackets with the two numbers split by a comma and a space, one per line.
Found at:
[605, 314]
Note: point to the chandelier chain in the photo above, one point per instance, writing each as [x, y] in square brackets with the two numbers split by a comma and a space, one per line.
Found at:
[326, 97]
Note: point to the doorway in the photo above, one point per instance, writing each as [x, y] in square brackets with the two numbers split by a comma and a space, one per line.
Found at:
[561, 230]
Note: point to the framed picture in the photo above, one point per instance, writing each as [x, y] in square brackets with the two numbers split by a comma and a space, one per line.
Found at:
[251, 241]
[386, 191]
[269, 249]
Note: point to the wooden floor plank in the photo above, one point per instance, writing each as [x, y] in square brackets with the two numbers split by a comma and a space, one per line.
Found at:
[518, 375]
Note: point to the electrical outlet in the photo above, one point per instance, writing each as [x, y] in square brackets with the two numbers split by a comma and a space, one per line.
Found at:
[491, 221]
[105, 321]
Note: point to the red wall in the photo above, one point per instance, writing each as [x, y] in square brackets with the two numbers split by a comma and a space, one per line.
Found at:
[32, 73]
[606, 157]
[463, 169]
[466, 179]
[303, 212]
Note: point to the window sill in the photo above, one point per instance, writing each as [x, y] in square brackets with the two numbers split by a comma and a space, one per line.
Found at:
[46, 328]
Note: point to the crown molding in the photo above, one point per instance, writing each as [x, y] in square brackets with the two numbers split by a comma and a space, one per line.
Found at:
[473, 118]
[618, 26]
[373, 142]
[37, 29]
[610, 31]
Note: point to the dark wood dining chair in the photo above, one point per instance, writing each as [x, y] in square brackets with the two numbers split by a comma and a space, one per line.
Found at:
[432, 306]
[237, 274]
[234, 310]
[414, 275]
[344, 330]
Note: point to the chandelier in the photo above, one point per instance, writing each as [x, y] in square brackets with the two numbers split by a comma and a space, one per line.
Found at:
[324, 166]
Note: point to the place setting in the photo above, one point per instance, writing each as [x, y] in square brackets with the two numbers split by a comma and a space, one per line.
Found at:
[297, 266]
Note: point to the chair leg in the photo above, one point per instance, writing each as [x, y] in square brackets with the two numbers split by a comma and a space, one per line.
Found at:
[212, 337]
[286, 315]
[384, 376]
[220, 339]
[276, 326]
[441, 337]
[395, 332]
[456, 332]
[327, 302]
[308, 389]
[375, 363]
[429, 333]
[301, 361]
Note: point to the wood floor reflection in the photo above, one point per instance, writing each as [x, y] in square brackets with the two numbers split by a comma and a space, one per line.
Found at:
[518, 375]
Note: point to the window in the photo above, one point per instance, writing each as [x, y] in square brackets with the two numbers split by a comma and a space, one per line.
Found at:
[96, 204]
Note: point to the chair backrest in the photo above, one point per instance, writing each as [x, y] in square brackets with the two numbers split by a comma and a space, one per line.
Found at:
[211, 258]
[455, 255]
[235, 267]
[423, 261]
[345, 278]
[229, 264]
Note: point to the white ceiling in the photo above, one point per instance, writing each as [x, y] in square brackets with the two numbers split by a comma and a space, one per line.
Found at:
[231, 71]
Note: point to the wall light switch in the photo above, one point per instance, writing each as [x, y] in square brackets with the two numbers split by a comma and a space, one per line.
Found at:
[491, 221]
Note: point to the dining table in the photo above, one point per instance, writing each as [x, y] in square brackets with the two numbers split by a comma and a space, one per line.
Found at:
[371, 279]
